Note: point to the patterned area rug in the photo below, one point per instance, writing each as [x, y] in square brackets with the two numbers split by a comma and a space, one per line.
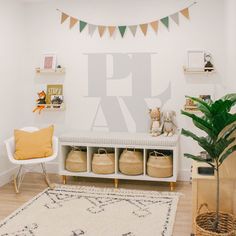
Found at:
[89, 211]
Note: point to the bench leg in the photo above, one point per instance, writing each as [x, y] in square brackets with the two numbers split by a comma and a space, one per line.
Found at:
[64, 179]
[172, 186]
[116, 182]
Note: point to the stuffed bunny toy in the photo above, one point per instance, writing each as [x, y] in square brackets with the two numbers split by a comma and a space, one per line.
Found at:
[156, 125]
[168, 123]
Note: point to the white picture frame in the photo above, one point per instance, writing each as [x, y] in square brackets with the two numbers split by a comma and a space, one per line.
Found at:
[196, 60]
[49, 61]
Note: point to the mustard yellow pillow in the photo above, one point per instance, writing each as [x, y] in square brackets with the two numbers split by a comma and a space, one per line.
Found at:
[31, 145]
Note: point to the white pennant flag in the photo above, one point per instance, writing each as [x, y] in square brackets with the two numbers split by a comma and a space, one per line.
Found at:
[91, 29]
[133, 29]
[175, 18]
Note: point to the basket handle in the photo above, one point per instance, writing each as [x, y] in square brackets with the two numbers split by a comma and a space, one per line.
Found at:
[102, 150]
[127, 149]
[75, 148]
[156, 152]
[201, 207]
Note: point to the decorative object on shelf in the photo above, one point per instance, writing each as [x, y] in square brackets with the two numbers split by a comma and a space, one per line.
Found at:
[206, 98]
[219, 124]
[76, 160]
[208, 65]
[41, 102]
[103, 163]
[196, 60]
[122, 29]
[156, 125]
[49, 61]
[56, 100]
[53, 91]
[159, 165]
[131, 162]
[169, 126]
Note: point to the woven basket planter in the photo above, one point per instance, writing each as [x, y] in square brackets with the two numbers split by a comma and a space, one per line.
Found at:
[131, 162]
[103, 163]
[159, 165]
[204, 226]
[76, 161]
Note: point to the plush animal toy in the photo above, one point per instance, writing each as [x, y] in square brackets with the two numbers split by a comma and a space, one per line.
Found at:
[168, 123]
[156, 126]
[41, 102]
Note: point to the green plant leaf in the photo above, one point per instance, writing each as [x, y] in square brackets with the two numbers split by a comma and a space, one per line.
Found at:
[231, 97]
[202, 106]
[227, 153]
[226, 134]
[202, 124]
[205, 143]
[222, 145]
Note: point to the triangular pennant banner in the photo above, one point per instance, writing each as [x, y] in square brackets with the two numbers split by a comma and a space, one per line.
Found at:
[154, 25]
[122, 30]
[185, 12]
[144, 28]
[91, 29]
[111, 30]
[64, 17]
[82, 25]
[101, 30]
[165, 22]
[133, 29]
[73, 21]
[175, 18]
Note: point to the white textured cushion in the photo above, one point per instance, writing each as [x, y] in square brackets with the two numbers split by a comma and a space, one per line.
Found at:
[116, 139]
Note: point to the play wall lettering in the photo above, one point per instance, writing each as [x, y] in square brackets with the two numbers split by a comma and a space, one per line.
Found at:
[122, 90]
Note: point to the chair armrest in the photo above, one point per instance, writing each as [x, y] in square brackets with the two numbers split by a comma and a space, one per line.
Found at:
[10, 147]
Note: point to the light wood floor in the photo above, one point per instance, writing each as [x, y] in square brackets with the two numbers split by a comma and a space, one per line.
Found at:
[34, 183]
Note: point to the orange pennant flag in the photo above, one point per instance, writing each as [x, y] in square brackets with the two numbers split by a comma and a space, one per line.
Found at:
[63, 17]
[73, 21]
[101, 30]
[111, 30]
[185, 12]
[154, 25]
[144, 28]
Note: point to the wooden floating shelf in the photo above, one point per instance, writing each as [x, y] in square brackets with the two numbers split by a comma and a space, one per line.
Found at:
[53, 107]
[58, 71]
[200, 71]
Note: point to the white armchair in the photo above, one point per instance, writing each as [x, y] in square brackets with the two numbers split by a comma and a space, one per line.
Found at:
[18, 178]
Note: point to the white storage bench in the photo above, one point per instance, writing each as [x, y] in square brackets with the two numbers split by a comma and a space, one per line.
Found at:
[117, 142]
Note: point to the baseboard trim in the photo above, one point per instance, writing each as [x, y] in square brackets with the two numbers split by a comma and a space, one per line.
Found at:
[52, 167]
[6, 176]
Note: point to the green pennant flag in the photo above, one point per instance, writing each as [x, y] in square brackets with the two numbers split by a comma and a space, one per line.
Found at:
[165, 22]
[82, 25]
[122, 30]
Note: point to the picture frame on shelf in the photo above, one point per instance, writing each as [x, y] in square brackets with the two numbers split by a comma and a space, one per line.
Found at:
[49, 61]
[196, 60]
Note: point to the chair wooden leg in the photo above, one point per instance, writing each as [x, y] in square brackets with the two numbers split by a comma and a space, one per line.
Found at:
[47, 180]
[17, 179]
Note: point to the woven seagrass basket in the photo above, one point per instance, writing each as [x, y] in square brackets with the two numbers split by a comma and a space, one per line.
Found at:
[204, 223]
[103, 162]
[131, 162]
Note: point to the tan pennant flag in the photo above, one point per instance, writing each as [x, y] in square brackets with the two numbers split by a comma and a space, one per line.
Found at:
[111, 30]
[144, 28]
[133, 29]
[91, 29]
[185, 12]
[154, 25]
[101, 30]
[64, 17]
[73, 22]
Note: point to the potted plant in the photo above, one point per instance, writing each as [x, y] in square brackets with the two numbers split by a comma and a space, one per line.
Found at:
[219, 125]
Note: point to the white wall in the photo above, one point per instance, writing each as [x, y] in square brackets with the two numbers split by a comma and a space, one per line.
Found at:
[14, 98]
[206, 30]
